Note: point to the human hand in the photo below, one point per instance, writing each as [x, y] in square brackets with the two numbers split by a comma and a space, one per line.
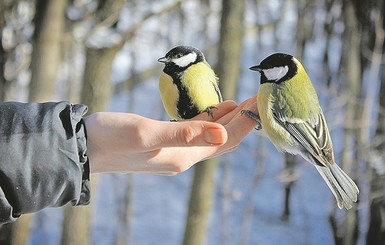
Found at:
[125, 142]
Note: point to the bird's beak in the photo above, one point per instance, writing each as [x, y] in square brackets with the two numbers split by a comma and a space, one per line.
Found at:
[163, 60]
[256, 68]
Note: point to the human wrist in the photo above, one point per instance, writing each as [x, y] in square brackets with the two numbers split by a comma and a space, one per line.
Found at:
[94, 153]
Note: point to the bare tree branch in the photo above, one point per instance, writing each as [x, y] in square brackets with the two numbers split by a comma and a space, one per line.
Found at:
[130, 33]
[366, 118]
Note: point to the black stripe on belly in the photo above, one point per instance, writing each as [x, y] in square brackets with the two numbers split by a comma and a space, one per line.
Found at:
[186, 108]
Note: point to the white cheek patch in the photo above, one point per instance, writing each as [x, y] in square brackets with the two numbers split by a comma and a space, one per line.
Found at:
[276, 73]
[185, 60]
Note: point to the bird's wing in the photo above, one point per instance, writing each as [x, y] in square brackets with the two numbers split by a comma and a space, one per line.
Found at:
[218, 91]
[312, 135]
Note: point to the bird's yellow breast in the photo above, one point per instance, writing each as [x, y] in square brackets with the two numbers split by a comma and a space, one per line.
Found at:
[274, 131]
[200, 81]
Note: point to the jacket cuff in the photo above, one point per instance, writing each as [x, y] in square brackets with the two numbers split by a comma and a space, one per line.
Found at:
[78, 112]
[43, 157]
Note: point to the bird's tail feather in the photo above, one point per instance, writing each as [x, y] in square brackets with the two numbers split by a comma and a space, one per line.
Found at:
[342, 186]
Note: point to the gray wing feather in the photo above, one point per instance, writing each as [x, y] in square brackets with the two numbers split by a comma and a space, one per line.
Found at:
[218, 91]
[312, 135]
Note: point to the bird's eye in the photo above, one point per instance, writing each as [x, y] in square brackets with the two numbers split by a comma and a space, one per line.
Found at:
[178, 56]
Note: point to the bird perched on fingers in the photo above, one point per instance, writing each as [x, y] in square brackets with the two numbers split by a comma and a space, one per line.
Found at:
[292, 118]
[188, 86]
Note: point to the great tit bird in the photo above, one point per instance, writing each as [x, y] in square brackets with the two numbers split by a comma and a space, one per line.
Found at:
[188, 86]
[293, 120]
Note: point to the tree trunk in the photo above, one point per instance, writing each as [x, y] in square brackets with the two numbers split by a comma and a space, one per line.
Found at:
[49, 19]
[97, 86]
[230, 47]
[353, 69]
[201, 202]
[49, 26]
[248, 210]
[96, 93]
[288, 177]
[124, 210]
[76, 223]
[3, 56]
[229, 53]
[328, 29]
[302, 28]
[376, 230]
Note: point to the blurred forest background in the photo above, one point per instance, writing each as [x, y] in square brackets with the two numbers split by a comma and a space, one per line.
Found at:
[103, 54]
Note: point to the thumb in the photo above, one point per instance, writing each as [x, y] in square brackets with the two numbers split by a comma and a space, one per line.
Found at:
[191, 133]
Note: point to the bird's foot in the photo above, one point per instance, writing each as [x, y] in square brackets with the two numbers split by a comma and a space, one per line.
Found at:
[209, 111]
[253, 116]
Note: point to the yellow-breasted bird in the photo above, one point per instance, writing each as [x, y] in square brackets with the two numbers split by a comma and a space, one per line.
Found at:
[188, 86]
[293, 120]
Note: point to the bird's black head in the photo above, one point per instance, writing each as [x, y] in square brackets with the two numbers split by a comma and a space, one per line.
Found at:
[276, 68]
[180, 58]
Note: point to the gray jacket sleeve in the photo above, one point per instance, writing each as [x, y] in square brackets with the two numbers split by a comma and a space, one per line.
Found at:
[43, 160]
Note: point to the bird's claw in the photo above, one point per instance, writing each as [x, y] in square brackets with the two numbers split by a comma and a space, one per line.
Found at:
[210, 112]
[253, 116]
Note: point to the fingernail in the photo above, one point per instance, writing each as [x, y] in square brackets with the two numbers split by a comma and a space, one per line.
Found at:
[214, 136]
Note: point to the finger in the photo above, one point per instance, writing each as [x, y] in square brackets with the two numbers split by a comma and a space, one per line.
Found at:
[238, 127]
[187, 134]
[241, 125]
[237, 111]
[217, 112]
[219, 151]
